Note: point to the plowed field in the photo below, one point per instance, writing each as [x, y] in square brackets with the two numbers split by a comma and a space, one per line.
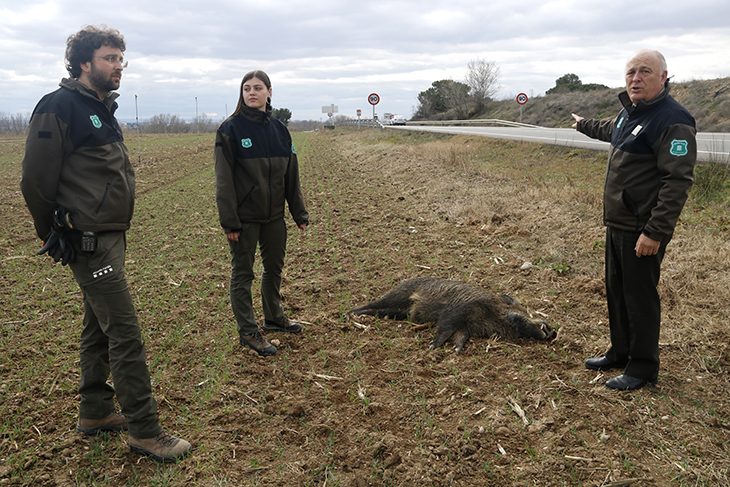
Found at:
[356, 401]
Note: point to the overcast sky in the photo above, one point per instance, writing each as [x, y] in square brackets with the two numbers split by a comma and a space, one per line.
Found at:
[322, 52]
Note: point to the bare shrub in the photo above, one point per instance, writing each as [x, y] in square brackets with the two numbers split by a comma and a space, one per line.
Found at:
[14, 124]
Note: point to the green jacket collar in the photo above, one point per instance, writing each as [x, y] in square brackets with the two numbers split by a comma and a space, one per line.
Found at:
[256, 115]
[74, 84]
[643, 105]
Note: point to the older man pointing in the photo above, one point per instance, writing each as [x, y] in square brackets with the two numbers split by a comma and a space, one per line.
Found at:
[649, 175]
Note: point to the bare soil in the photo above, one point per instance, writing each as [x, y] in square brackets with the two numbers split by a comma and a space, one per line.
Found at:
[358, 401]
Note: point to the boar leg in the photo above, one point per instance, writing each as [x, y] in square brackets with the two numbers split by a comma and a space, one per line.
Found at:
[372, 309]
[451, 321]
[460, 339]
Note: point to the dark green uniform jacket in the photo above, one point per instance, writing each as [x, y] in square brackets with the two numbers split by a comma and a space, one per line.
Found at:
[256, 170]
[650, 164]
[75, 158]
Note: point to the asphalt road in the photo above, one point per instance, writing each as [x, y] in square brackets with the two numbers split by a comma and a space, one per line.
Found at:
[710, 146]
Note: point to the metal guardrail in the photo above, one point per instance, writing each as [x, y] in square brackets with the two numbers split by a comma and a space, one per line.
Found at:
[368, 122]
[478, 121]
[363, 122]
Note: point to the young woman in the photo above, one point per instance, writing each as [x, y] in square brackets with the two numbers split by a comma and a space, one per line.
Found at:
[257, 172]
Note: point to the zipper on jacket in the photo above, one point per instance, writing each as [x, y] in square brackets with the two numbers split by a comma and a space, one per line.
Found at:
[268, 158]
[247, 195]
[103, 198]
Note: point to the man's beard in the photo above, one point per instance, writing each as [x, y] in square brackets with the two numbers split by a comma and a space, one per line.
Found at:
[100, 82]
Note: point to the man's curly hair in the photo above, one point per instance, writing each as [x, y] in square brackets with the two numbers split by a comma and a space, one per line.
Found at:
[80, 46]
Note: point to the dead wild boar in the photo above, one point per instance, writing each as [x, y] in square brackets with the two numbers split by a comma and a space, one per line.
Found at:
[457, 309]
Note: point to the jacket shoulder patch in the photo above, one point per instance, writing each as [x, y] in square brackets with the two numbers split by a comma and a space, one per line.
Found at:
[679, 148]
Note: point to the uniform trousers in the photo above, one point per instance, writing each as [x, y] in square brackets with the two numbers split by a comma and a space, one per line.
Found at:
[634, 309]
[271, 239]
[111, 340]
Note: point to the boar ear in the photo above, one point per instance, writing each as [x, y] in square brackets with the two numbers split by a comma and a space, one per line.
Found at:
[509, 299]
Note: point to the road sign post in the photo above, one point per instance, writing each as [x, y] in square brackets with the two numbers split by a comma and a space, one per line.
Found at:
[521, 99]
[330, 110]
[373, 99]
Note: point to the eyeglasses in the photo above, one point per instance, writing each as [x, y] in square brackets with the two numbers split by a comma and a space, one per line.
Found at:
[114, 60]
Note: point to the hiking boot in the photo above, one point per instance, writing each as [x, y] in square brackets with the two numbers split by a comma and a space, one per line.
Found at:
[258, 343]
[91, 427]
[286, 326]
[162, 448]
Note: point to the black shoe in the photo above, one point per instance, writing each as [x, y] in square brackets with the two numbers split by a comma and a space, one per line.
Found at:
[602, 363]
[627, 383]
[258, 343]
[286, 326]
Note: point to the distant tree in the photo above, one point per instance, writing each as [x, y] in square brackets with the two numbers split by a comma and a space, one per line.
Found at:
[205, 124]
[283, 114]
[304, 125]
[431, 101]
[457, 98]
[481, 77]
[14, 124]
[338, 119]
[571, 82]
[443, 95]
[568, 79]
[165, 123]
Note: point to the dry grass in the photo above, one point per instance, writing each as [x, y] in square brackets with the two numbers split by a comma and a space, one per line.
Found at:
[546, 203]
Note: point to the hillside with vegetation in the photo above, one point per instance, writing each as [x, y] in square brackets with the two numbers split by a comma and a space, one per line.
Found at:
[707, 100]
[473, 98]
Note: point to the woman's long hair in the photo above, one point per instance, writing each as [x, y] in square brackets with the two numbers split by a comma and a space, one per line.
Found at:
[256, 73]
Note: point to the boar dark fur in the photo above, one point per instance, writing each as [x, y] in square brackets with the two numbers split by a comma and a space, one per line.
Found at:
[458, 310]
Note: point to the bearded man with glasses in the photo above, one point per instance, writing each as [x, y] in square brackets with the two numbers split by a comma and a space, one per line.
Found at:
[78, 184]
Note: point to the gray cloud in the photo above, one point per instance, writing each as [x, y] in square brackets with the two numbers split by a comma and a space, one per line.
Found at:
[333, 51]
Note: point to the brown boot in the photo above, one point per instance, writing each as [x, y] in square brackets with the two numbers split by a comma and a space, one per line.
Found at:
[257, 342]
[163, 447]
[91, 427]
[286, 325]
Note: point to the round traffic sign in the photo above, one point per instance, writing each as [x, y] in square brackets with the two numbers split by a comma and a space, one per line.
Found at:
[521, 98]
[373, 99]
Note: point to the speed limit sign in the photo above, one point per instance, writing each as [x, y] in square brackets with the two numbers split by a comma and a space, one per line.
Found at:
[373, 99]
[521, 98]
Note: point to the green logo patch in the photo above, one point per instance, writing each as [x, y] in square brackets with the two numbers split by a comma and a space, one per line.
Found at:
[293, 151]
[95, 121]
[246, 143]
[679, 148]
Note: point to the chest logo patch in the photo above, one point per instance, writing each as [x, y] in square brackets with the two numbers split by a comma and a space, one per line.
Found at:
[679, 148]
[246, 143]
[293, 151]
[621, 121]
[95, 121]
